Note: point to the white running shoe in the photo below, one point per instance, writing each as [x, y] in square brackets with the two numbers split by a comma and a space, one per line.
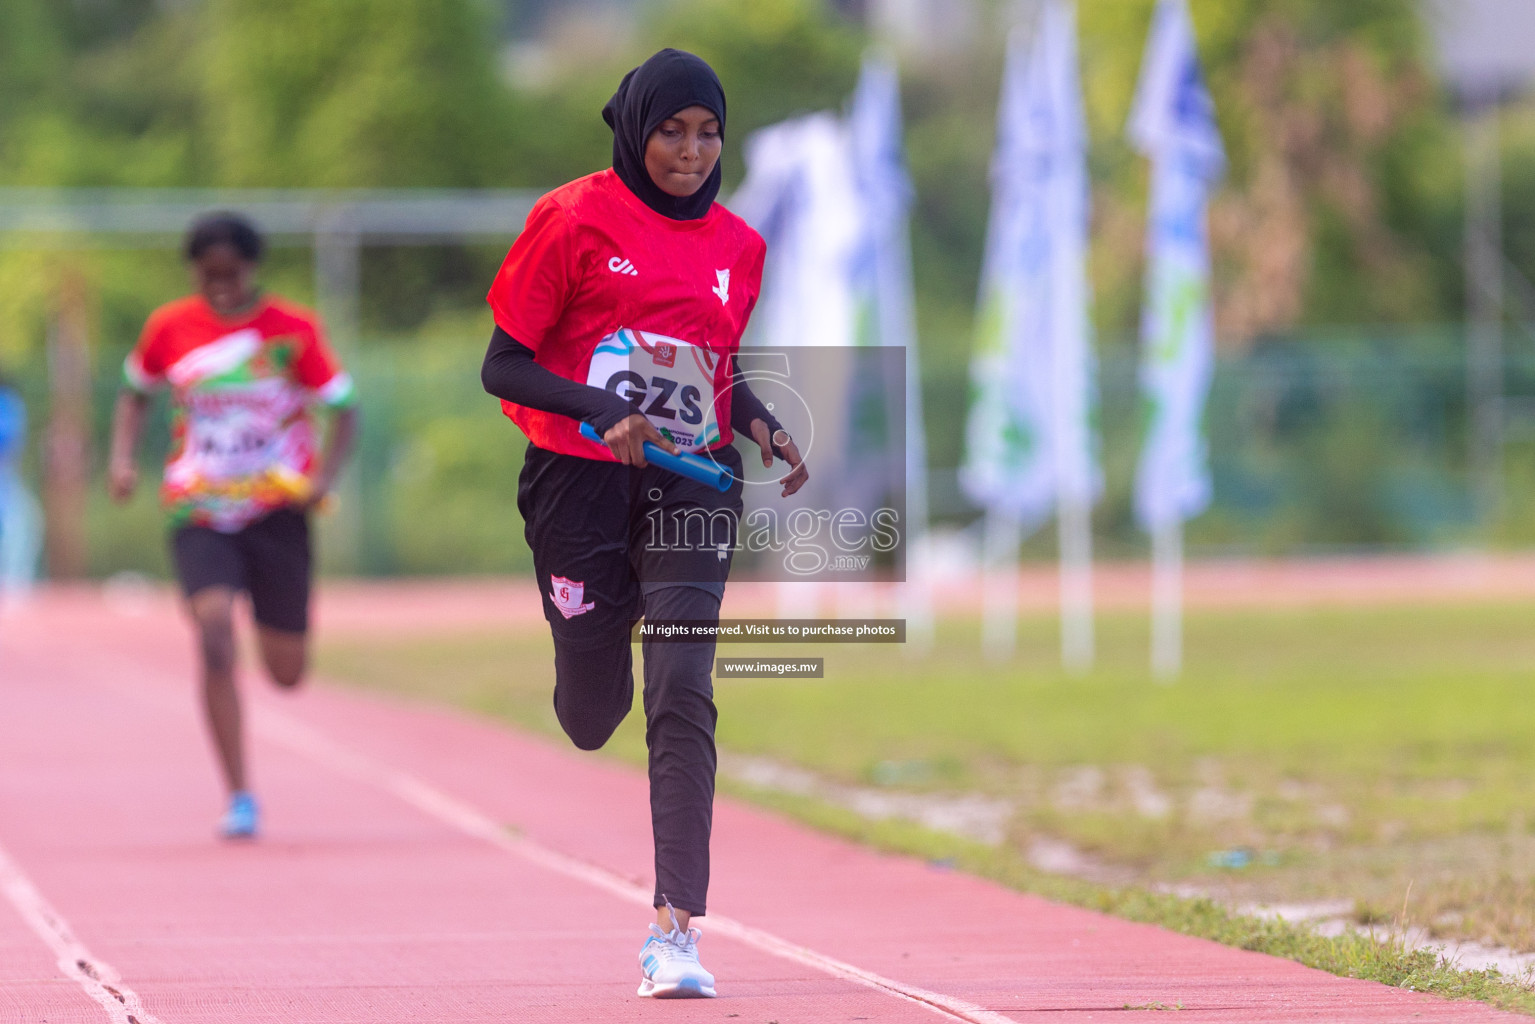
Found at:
[669, 962]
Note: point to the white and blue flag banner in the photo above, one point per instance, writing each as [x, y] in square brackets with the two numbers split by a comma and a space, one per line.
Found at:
[800, 195]
[1173, 123]
[882, 265]
[882, 271]
[1030, 441]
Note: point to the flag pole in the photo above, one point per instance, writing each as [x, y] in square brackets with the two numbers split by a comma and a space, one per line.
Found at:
[1071, 343]
[877, 100]
[1076, 584]
[999, 624]
[1167, 600]
[1173, 123]
[1029, 438]
[917, 591]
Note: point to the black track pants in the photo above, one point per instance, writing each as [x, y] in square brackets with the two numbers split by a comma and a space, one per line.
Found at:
[605, 541]
[593, 691]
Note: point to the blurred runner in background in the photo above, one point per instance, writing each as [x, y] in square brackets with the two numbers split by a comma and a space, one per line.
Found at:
[244, 371]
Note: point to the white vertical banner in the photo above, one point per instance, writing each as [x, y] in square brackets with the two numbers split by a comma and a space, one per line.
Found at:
[879, 167]
[1173, 123]
[801, 195]
[1029, 440]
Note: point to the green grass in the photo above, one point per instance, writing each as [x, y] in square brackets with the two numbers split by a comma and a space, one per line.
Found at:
[1359, 753]
[1377, 954]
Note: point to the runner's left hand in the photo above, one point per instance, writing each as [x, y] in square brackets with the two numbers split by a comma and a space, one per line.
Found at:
[798, 473]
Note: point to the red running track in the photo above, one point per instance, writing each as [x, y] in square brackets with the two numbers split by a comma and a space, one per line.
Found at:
[422, 866]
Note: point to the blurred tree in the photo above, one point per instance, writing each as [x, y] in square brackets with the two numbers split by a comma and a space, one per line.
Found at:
[777, 58]
[353, 93]
[1342, 204]
[1342, 201]
[1519, 205]
[238, 93]
[360, 93]
[31, 57]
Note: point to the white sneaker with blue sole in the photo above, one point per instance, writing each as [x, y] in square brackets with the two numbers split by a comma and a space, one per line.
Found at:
[669, 962]
[242, 818]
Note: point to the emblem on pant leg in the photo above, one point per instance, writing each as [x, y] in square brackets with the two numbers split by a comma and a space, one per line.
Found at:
[567, 594]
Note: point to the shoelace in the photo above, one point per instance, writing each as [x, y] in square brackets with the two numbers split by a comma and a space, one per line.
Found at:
[676, 944]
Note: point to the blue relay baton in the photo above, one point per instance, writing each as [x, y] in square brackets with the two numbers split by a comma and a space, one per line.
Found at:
[690, 466]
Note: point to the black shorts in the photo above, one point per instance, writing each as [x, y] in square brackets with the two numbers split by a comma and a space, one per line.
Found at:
[602, 534]
[269, 559]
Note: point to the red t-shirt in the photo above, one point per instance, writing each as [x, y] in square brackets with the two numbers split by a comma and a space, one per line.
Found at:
[243, 442]
[607, 292]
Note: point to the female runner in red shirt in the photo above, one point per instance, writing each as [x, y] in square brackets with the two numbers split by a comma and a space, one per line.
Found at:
[622, 305]
[246, 372]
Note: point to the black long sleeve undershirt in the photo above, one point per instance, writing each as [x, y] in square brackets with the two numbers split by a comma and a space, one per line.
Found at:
[746, 406]
[511, 373]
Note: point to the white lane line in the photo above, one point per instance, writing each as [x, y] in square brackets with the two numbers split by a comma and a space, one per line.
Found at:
[97, 977]
[303, 739]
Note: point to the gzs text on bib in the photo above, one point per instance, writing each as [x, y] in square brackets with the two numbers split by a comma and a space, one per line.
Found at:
[669, 382]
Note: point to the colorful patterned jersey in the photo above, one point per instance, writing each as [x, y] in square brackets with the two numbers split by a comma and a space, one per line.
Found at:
[243, 442]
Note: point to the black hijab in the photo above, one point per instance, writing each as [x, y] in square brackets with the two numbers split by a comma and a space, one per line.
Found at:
[666, 83]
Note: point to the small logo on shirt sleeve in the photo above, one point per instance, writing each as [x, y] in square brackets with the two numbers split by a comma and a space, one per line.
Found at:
[723, 288]
[619, 265]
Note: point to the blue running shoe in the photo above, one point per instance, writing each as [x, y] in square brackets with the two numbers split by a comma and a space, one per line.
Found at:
[669, 963]
[240, 821]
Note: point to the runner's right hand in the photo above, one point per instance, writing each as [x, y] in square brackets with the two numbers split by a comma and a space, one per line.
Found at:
[122, 479]
[626, 439]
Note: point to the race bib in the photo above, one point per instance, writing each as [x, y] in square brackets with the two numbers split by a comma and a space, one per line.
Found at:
[235, 442]
[668, 381]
